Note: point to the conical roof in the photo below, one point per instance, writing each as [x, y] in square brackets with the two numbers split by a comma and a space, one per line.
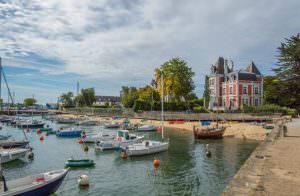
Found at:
[252, 68]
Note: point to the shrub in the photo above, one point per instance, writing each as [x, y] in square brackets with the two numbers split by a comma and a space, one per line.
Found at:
[200, 109]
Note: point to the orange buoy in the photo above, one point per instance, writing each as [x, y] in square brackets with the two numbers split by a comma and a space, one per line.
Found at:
[41, 138]
[156, 163]
[80, 141]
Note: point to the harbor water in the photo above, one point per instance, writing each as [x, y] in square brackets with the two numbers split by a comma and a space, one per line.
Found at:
[184, 168]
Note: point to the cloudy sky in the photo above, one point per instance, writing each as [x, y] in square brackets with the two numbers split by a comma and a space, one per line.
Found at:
[47, 46]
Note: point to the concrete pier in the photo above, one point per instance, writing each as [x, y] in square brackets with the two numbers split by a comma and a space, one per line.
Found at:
[273, 168]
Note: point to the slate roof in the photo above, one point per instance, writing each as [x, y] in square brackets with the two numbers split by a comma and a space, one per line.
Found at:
[252, 68]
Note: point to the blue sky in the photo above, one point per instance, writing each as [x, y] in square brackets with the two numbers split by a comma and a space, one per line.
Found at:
[47, 46]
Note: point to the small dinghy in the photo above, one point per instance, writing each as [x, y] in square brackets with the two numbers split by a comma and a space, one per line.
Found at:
[88, 123]
[98, 137]
[73, 132]
[8, 155]
[40, 184]
[209, 133]
[5, 144]
[112, 125]
[80, 163]
[145, 128]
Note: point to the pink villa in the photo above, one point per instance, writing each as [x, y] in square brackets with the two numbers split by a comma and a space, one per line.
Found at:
[228, 89]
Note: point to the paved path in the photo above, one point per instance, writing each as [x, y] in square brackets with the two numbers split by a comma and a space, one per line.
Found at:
[281, 174]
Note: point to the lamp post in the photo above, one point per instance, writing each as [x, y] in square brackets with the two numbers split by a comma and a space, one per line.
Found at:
[162, 104]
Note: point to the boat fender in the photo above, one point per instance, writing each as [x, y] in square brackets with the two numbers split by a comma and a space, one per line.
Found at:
[156, 163]
[83, 180]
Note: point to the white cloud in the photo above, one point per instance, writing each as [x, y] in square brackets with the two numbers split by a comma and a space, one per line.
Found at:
[126, 40]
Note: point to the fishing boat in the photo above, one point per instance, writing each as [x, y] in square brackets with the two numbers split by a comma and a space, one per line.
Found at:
[112, 125]
[98, 137]
[123, 139]
[8, 155]
[145, 148]
[209, 133]
[80, 163]
[88, 123]
[31, 124]
[40, 184]
[145, 128]
[72, 132]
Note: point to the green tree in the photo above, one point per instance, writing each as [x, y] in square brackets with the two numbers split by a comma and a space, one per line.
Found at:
[178, 79]
[86, 98]
[272, 88]
[67, 99]
[206, 96]
[29, 101]
[129, 96]
[145, 94]
[288, 72]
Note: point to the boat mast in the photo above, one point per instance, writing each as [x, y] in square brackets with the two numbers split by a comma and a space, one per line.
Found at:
[0, 83]
[162, 105]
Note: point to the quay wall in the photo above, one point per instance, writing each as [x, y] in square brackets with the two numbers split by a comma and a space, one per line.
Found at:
[247, 180]
[156, 115]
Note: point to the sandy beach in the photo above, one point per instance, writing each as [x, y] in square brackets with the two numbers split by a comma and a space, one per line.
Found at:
[233, 129]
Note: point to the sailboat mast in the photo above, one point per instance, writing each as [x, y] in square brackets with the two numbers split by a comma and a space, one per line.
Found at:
[0, 83]
[162, 105]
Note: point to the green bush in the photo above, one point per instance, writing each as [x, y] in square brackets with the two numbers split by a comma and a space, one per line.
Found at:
[269, 109]
[200, 109]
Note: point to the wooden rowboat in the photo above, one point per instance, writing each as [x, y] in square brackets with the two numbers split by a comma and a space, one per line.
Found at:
[209, 133]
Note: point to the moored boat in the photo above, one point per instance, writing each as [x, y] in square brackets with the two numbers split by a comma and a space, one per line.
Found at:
[80, 163]
[66, 120]
[72, 132]
[122, 140]
[98, 137]
[112, 125]
[145, 148]
[31, 124]
[145, 128]
[47, 130]
[8, 155]
[209, 133]
[40, 184]
[14, 144]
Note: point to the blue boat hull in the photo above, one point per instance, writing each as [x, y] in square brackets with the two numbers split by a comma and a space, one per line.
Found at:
[45, 190]
[69, 134]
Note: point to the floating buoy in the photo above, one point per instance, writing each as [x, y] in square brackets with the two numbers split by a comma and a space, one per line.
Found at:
[124, 155]
[47, 134]
[207, 151]
[41, 138]
[83, 180]
[80, 141]
[38, 131]
[86, 148]
[156, 163]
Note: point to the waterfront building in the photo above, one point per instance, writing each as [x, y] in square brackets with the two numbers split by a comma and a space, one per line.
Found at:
[111, 100]
[230, 89]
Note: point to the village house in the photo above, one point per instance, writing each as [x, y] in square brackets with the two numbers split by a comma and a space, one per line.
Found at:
[110, 100]
[230, 89]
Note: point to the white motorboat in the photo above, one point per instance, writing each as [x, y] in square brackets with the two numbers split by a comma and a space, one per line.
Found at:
[98, 137]
[8, 155]
[146, 147]
[122, 140]
[88, 123]
[145, 128]
[66, 120]
[112, 125]
[40, 184]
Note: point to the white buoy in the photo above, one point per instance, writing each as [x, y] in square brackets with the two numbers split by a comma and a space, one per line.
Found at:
[83, 180]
